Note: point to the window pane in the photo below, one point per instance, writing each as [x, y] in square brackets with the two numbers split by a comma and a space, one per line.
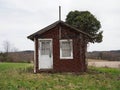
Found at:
[45, 48]
[66, 53]
[66, 48]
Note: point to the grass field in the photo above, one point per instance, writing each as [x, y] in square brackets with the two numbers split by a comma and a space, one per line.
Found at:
[19, 76]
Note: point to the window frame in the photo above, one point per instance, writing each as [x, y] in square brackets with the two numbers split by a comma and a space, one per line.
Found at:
[64, 40]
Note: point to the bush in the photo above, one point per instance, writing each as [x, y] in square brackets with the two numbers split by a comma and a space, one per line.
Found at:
[4, 57]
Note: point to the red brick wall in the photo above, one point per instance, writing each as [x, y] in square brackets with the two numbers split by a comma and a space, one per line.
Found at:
[77, 64]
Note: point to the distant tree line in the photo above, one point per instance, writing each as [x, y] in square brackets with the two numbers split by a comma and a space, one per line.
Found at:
[11, 54]
[21, 56]
[104, 55]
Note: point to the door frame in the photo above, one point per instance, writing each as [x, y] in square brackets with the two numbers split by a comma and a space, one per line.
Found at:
[42, 39]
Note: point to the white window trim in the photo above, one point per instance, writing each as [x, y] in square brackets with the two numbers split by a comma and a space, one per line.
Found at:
[64, 40]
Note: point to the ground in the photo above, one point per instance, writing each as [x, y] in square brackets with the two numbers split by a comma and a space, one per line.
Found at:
[104, 63]
[20, 76]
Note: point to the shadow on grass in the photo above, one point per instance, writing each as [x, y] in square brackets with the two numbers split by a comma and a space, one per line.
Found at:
[92, 70]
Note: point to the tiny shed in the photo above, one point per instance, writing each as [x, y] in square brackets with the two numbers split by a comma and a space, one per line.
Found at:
[59, 47]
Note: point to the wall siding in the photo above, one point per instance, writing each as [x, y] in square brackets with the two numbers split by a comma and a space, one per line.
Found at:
[77, 64]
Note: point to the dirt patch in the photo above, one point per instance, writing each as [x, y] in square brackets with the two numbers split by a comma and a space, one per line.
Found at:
[112, 64]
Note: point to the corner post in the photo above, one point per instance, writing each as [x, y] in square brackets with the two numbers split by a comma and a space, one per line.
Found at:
[35, 71]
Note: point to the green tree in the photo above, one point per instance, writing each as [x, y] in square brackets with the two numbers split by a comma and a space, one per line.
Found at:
[86, 22]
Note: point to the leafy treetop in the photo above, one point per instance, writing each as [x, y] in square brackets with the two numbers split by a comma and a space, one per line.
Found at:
[86, 22]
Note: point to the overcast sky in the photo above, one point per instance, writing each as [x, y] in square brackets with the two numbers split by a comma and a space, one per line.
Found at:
[20, 18]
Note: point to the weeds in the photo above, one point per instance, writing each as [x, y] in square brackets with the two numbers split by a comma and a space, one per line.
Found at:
[19, 76]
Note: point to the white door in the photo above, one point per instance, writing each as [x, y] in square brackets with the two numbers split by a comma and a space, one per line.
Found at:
[45, 54]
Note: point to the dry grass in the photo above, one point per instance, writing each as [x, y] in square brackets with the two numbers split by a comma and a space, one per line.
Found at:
[104, 63]
[96, 60]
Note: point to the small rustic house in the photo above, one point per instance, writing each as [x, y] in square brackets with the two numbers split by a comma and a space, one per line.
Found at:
[59, 47]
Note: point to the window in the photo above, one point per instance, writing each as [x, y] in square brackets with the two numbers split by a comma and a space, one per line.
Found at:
[66, 51]
[45, 47]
